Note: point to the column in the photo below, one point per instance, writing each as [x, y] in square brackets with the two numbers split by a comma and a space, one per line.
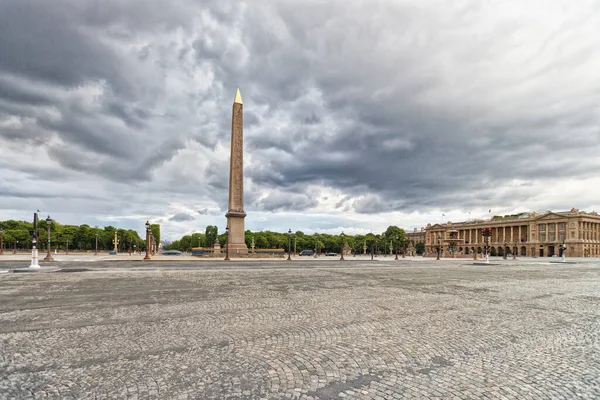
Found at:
[557, 237]
[512, 238]
[503, 234]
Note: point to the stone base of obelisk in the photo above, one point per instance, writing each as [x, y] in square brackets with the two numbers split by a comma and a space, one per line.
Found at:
[237, 243]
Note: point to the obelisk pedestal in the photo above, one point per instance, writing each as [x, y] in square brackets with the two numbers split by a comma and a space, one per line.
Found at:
[235, 214]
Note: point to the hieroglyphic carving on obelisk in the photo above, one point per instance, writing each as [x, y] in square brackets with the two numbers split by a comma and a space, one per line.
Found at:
[235, 214]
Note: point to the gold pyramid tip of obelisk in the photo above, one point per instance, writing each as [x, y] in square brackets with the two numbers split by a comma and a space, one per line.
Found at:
[238, 97]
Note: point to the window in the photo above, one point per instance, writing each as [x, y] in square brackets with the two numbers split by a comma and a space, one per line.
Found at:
[542, 237]
[552, 236]
[552, 226]
[542, 228]
[563, 237]
[562, 226]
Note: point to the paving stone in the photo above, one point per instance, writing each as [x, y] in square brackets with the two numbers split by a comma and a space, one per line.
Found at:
[337, 330]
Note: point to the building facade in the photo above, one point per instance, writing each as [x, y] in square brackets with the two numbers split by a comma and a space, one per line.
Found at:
[527, 234]
[412, 238]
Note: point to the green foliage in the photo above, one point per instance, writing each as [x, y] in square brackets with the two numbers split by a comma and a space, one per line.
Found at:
[81, 237]
[155, 229]
[210, 235]
[420, 248]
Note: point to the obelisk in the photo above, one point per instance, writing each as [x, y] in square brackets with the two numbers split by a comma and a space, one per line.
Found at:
[235, 214]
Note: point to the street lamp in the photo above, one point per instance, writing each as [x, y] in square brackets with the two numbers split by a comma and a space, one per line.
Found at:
[227, 243]
[96, 252]
[342, 257]
[397, 247]
[15, 250]
[67, 250]
[504, 251]
[438, 247]
[372, 248]
[316, 244]
[1, 241]
[48, 224]
[34, 249]
[147, 256]
[403, 247]
[289, 245]
[515, 251]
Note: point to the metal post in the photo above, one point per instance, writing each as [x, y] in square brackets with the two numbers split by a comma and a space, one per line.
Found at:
[289, 245]
[227, 244]
[96, 252]
[342, 257]
[147, 256]
[34, 250]
[504, 251]
[1, 241]
[396, 247]
[48, 225]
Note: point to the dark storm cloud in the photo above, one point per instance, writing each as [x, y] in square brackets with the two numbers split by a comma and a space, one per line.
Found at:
[416, 107]
[180, 217]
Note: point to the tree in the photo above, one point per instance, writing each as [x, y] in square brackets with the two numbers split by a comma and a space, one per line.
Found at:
[420, 248]
[210, 235]
[392, 231]
[155, 229]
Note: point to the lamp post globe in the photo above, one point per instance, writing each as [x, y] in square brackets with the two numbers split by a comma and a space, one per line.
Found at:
[342, 257]
[289, 245]
[227, 244]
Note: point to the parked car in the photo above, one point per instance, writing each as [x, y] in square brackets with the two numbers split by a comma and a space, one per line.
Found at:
[306, 253]
[171, 253]
[331, 254]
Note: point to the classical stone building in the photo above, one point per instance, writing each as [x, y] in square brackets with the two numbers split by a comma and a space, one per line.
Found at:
[527, 234]
[414, 237]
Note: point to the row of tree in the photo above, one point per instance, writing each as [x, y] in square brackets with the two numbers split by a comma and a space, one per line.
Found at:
[394, 236]
[18, 234]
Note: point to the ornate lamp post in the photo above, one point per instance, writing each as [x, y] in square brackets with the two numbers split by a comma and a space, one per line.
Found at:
[48, 225]
[34, 250]
[96, 251]
[1, 241]
[289, 245]
[487, 232]
[67, 250]
[563, 251]
[147, 256]
[15, 250]
[316, 245]
[438, 247]
[372, 247]
[404, 248]
[397, 247]
[253, 245]
[227, 243]
[342, 257]
[515, 251]
[504, 251]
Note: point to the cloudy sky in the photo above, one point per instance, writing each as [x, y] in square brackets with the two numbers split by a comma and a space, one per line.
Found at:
[358, 114]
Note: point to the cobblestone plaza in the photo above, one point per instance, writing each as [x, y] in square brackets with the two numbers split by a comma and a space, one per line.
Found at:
[303, 330]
